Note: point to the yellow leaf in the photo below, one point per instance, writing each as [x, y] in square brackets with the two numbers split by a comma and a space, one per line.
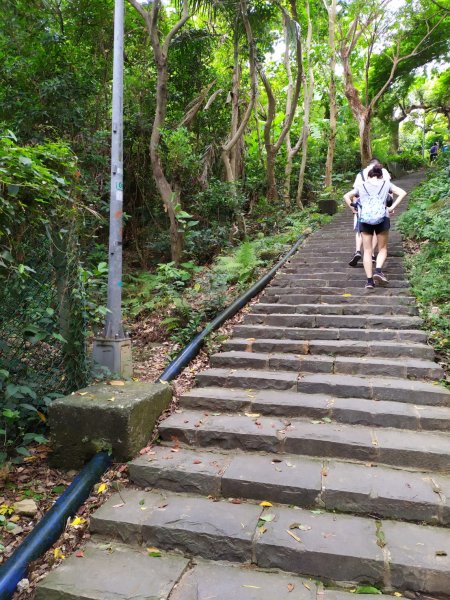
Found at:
[308, 587]
[346, 295]
[15, 519]
[58, 554]
[265, 504]
[116, 382]
[42, 417]
[253, 416]
[397, 594]
[78, 521]
[102, 488]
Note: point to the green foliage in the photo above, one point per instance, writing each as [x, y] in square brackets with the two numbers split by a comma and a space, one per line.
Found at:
[426, 221]
[240, 266]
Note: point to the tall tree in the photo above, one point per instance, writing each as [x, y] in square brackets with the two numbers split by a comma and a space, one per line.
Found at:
[331, 9]
[369, 26]
[272, 145]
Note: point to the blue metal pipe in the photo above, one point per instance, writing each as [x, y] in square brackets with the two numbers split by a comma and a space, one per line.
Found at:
[51, 525]
[191, 350]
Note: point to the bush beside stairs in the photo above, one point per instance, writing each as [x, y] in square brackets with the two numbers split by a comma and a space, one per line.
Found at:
[310, 460]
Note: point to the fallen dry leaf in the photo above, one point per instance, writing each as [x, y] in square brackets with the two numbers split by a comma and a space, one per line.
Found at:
[290, 587]
[296, 538]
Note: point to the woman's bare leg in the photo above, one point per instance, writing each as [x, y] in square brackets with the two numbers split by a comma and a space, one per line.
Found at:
[367, 259]
[383, 238]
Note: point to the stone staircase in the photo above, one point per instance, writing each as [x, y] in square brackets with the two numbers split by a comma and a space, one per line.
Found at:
[311, 458]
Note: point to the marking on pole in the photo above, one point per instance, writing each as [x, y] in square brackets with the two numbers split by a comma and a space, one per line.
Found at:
[119, 196]
[119, 184]
[120, 283]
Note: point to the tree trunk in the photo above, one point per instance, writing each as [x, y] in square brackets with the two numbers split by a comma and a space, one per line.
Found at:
[272, 192]
[365, 145]
[168, 195]
[308, 86]
[332, 93]
[273, 147]
[394, 126]
[231, 151]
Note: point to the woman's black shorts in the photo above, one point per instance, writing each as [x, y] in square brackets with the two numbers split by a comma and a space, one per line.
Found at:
[385, 225]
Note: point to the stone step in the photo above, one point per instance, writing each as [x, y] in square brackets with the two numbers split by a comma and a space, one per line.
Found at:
[409, 368]
[388, 388]
[284, 297]
[364, 349]
[342, 386]
[298, 480]
[330, 333]
[336, 547]
[327, 248]
[111, 571]
[335, 282]
[341, 321]
[352, 288]
[421, 450]
[355, 411]
[333, 309]
[349, 273]
[172, 576]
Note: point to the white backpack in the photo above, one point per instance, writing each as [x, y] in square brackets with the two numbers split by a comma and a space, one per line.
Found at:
[373, 206]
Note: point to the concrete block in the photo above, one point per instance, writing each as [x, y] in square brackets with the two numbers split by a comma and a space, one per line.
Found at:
[105, 417]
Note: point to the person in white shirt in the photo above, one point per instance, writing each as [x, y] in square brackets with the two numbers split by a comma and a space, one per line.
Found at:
[374, 218]
[359, 180]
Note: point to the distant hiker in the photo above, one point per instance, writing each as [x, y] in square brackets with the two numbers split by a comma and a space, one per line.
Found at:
[360, 178]
[446, 146]
[434, 151]
[368, 201]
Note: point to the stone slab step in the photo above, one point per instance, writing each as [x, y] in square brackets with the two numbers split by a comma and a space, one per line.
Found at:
[332, 347]
[286, 281]
[337, 269]
[300, 481]
[200, 580]
[286, 298]
[333, 309]
[327, 249]
[111, 571]
[335, 547]
[377, 388]
[351, 274]
[358, 291]
[356, 411]
[352, 288]
[208, 581]
[414, 449]
[330, 333]
[410, 368]
[341, 321]
[342, 386]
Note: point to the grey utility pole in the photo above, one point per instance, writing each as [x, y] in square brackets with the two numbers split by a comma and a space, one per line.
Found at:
[113, 349]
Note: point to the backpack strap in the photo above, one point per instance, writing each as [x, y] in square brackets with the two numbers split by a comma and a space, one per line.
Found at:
[379, 191]
[362, 175]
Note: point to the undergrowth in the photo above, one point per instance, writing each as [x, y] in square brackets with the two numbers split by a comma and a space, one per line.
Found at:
[426, 223]
[186, 297]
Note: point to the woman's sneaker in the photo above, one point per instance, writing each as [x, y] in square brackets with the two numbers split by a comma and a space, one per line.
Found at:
[357, 257]
[380, 278]
[370, 285]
